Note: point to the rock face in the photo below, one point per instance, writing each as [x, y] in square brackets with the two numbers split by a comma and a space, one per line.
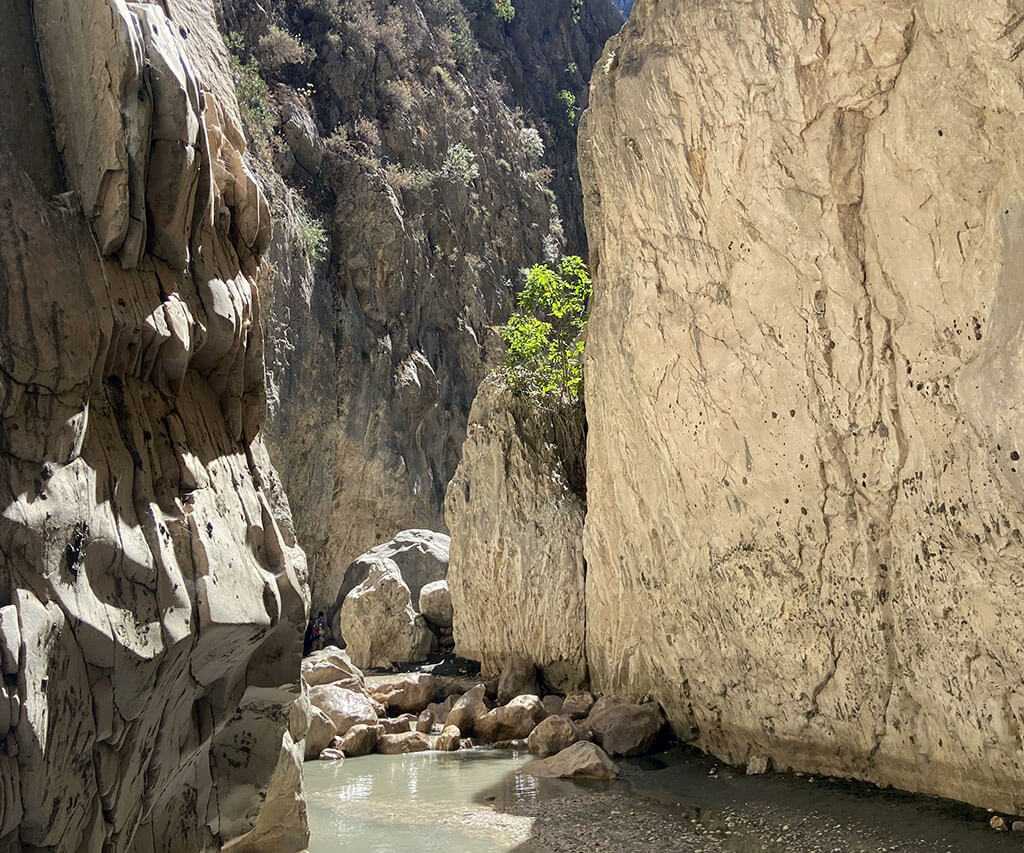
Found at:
[378, 622]
[804, 387]
[151, 590]
[515, 509]
[518, 677]
[433, 192]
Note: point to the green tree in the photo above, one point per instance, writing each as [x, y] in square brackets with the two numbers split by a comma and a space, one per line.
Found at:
[545, 336]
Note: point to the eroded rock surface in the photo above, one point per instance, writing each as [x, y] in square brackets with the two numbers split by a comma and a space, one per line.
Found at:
[515, 511]
[804, 386]
[378, 623]
[151, 590]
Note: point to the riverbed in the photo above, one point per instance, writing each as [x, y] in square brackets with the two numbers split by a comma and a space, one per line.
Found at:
[480, 801]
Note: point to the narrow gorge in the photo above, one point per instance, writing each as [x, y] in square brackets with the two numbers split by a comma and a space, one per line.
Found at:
[488, 425]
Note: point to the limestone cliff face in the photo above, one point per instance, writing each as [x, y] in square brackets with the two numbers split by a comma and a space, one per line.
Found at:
[804, 384]
[515, 509]
[396, 132]
[152, 595]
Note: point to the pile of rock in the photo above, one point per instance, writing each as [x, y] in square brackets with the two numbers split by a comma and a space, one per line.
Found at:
[393, 605]
[574, 736]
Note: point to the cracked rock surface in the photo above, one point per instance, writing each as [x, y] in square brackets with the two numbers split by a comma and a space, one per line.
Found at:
[803, 384]
[152, 596]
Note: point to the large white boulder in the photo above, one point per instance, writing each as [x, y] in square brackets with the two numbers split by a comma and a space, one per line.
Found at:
[379, 624]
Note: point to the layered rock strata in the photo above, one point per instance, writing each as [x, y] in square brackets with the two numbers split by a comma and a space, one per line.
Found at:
[804, 387]
[152, 595]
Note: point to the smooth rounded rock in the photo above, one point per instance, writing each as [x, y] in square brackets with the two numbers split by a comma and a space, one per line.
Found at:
[625, 728]
[552, 735]
[358, 740]
[409, 694]
[509, 722]
[403, 743]
[436, 604]
[344, 707]
[583, 760]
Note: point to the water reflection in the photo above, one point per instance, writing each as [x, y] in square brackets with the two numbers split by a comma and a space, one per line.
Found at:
[429, 801]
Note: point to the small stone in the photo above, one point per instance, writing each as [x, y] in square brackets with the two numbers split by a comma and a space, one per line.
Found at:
[449, 739]
[425, 722]
[757, 764]
[998, 823]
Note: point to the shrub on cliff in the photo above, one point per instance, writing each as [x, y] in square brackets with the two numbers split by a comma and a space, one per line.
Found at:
[545, 336]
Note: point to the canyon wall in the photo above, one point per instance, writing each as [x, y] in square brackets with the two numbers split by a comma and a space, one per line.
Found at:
[804, 384]
[152, 594]
[430, 143]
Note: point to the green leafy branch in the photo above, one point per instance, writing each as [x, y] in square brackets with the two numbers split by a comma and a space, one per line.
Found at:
[545, 336]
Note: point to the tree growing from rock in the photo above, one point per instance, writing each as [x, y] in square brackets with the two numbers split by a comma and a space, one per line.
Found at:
[545, 336]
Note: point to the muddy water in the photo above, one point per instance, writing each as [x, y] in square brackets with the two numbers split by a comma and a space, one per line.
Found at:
[479, 801]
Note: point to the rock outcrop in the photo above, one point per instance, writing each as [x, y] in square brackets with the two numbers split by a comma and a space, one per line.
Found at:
[515, 509]
[431, 189]
[152, 595]
[803, 385]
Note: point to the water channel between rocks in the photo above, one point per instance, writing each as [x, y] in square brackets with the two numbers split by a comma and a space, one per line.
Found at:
[479, 800]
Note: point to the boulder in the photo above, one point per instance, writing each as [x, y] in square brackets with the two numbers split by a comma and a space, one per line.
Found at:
[425, 722]
[378, 623]
[457, 686]
[421, 557]
[582, 760]
[400, 744]
[390, 726]
[344, 707]
[508, 722]
[409, 694]
[578, 704]
[553, 735]
[331, 754]
[358, 740]
[436, 604]
[331, 666]
[448, 740]
[622, 727]
[552, 704]
[468, 709]
[441, 710]
[518, 678]
[319, 735]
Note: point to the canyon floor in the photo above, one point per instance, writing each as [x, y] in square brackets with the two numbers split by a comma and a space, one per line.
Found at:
[677, 800]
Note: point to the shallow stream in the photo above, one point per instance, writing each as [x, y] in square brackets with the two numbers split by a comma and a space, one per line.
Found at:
[479, 801]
